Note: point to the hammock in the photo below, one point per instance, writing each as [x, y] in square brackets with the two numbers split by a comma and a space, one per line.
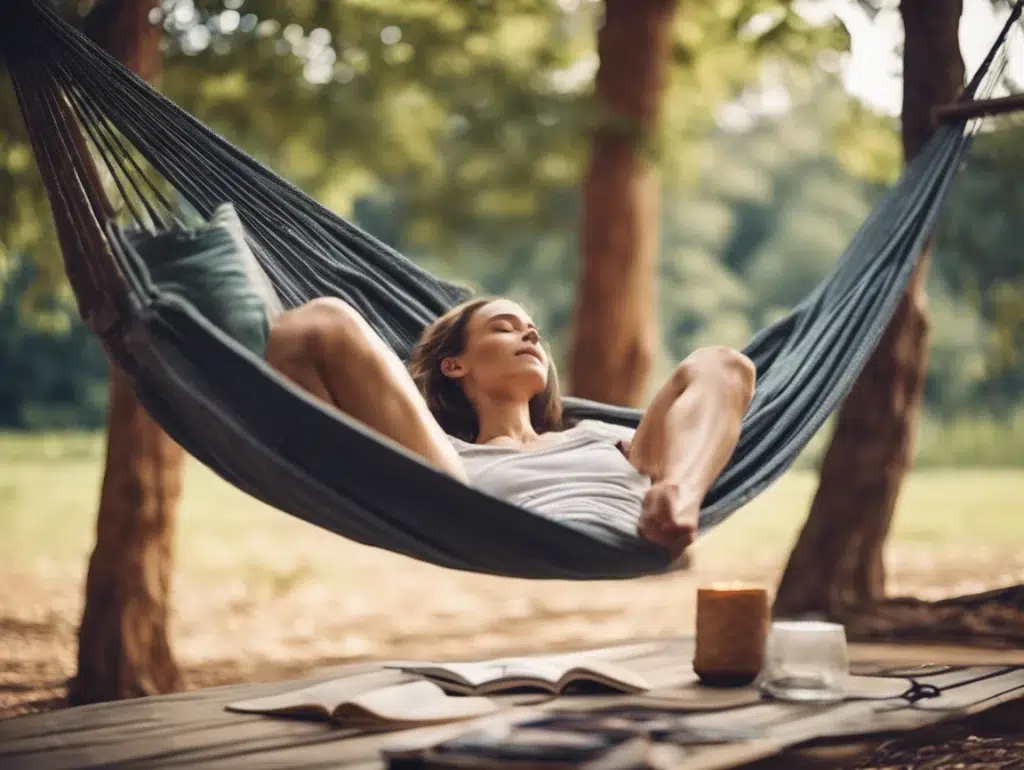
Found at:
[214, 394]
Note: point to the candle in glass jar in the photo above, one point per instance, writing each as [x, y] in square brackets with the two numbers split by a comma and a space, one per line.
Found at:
[732, 629]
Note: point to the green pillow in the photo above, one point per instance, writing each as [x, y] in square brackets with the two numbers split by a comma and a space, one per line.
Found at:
[213, 268]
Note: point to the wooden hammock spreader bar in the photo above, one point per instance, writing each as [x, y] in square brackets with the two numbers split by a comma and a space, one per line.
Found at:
[978, 108]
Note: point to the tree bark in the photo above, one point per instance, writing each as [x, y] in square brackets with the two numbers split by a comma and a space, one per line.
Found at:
[837, 564]
[123, 647]
[123, 29]
[614, 325]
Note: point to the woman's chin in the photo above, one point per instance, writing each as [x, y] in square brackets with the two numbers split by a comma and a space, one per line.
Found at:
[530, 379]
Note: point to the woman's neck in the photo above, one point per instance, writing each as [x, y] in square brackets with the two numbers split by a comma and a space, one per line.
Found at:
[505, 419]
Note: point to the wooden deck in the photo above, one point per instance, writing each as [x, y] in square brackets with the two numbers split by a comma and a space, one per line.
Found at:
[195, 730]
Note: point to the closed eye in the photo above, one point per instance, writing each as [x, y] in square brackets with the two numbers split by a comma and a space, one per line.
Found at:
[509, 323]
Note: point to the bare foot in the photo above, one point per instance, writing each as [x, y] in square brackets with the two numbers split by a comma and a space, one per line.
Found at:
[669, 516]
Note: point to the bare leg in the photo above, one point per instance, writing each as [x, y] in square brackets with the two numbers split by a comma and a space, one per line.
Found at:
[328, 349]
[685, 439]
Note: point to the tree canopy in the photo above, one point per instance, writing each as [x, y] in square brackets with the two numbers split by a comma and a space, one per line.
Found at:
[473, 111]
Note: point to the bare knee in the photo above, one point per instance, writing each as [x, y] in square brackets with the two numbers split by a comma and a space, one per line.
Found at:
[727, 367]
[302, 336]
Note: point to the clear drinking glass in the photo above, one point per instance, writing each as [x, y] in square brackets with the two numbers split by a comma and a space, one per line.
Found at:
[805, 660]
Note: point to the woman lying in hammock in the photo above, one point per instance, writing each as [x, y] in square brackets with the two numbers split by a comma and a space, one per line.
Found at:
[482, 403]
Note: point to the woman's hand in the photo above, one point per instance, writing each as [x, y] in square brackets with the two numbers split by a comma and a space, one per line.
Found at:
[669, 516]
[670, 510]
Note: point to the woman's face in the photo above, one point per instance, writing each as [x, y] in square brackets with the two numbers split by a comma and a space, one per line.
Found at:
[503, 358]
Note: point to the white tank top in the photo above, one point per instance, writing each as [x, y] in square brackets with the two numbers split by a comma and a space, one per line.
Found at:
[580, 475]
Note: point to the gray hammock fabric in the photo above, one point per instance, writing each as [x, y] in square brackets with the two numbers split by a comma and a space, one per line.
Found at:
[192, 349]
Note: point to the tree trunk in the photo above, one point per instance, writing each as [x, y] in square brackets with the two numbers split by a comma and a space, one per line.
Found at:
[123, 648]
[614, 325]
[837, 564]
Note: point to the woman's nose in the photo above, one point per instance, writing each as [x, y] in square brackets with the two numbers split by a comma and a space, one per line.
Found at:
[532, 336]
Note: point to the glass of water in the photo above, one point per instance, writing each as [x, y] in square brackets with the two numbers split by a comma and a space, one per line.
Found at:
[805, 660]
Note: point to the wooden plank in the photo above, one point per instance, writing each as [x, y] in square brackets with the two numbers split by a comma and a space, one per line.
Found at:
[977, 108]
[190, 729]
[194, 729]
[946, 654]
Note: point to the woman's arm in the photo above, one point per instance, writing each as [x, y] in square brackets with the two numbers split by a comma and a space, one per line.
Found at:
[686, 437]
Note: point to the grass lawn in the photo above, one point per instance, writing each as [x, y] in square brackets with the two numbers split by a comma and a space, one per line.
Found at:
[255, 587]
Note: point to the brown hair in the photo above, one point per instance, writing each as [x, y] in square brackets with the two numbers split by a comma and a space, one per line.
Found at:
[447, 336]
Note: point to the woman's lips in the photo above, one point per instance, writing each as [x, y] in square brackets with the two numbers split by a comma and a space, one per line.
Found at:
[531, 352]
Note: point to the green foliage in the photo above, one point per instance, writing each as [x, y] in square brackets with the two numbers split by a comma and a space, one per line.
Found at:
[455, 103]
[866, 144]
[727, 50]
[475, 110]
[25, 222]
[53, 370]
[769, 214]
[980, 256]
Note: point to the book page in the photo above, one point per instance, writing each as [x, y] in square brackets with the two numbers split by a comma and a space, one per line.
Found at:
[530, 670]
[410, 703]
[606, 673]
[416, 702]
[469, 674]
[473, 674]
[316, 701]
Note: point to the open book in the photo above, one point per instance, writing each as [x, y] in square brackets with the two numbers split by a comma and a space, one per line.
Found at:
[556, 676]
[391, 707]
